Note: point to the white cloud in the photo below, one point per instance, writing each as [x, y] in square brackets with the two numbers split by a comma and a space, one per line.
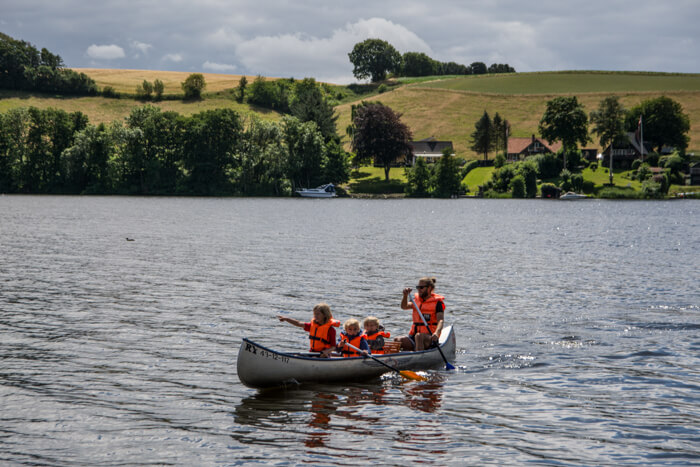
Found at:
[141, 48]
[172, 58]
[300, 55]
[218, 67]
[105, 52]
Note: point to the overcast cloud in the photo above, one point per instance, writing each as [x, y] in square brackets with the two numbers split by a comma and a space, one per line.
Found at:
[313, 37]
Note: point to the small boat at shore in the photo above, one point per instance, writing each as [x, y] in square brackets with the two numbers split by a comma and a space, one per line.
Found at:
[323, 191]
[261, 367]
[572, 195]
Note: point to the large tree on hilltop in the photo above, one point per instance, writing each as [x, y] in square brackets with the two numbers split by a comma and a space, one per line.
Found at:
[379, 134]
[565, 120]
[373, 58]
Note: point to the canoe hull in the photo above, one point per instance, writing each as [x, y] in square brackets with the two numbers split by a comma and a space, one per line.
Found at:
[261, 367]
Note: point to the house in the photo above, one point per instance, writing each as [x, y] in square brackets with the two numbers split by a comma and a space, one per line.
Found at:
[429, 149]
[625, 153]
[520, 148]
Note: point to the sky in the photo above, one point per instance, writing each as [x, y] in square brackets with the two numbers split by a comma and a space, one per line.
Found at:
[312, 38]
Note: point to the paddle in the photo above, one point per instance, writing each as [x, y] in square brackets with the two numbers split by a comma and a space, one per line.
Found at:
[448, 365]
[405, 373]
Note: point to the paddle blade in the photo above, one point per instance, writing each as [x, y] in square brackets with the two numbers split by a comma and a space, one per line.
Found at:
[412, 375]
[449, 366]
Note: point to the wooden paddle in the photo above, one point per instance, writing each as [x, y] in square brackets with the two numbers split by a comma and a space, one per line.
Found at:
[448, 365]
[405, 373]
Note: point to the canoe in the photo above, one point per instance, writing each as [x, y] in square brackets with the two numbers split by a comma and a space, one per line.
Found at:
[261, 367]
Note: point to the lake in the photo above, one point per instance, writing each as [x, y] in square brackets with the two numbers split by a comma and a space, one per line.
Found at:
[577, 330]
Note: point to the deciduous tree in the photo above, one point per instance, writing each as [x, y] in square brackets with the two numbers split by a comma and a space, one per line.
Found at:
[664, 123]
[380, 134]
[193, 86]
[373, 58]
[565, 120]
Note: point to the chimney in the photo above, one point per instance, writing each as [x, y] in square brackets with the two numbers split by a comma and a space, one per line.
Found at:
[533, 138]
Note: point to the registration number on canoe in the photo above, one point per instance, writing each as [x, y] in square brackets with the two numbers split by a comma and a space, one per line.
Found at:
[264, 353]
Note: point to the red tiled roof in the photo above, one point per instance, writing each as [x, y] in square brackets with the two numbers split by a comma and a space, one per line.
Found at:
[518, 145]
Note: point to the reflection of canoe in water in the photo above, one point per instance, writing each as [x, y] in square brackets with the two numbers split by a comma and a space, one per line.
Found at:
[260, 367]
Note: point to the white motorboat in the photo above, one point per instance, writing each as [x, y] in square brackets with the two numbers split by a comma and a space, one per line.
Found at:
[261, 367]
[572, 195]
[323, 191]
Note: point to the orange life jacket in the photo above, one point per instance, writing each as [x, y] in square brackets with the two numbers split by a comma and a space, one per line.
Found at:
[318, 335]
[373, 337]
[347, 351]
[427, 308]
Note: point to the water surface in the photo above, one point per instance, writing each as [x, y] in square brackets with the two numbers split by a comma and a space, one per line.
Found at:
[577, 330]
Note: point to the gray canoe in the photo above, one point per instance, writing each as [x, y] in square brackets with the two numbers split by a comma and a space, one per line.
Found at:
[261, 367]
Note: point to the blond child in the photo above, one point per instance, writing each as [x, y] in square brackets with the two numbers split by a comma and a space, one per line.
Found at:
[353, 336]
[375, 334]
[321, 328]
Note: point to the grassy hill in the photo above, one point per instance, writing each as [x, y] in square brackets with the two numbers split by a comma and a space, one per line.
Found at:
[443, 107]
[448, 108]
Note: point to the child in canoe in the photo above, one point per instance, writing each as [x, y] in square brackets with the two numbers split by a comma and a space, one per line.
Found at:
[353, 336]
[375, 334]
[321, 329]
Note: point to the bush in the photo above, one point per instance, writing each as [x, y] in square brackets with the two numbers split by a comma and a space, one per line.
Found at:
[587, 186]
[500, 160]
[108, 91]
[382, 88]
[517, 186]
[643, 172]
[593, 166]
[636, 163]
[549, 190]
[674, 162]
[651, 189]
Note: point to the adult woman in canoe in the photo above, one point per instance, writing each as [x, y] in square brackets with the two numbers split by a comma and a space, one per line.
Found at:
[432, 306]
[321, 328]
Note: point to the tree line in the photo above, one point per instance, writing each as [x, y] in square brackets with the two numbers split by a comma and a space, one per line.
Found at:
[23, 67]
[152, 152]
[375, 58]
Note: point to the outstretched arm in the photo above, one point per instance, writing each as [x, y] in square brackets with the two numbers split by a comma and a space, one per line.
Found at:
[291, 321]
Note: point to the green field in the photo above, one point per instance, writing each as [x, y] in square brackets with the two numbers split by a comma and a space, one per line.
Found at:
[568, 83]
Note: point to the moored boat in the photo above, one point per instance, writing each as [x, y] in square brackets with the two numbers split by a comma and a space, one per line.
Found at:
[572, 195]
[323, 191]
[261, 367]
